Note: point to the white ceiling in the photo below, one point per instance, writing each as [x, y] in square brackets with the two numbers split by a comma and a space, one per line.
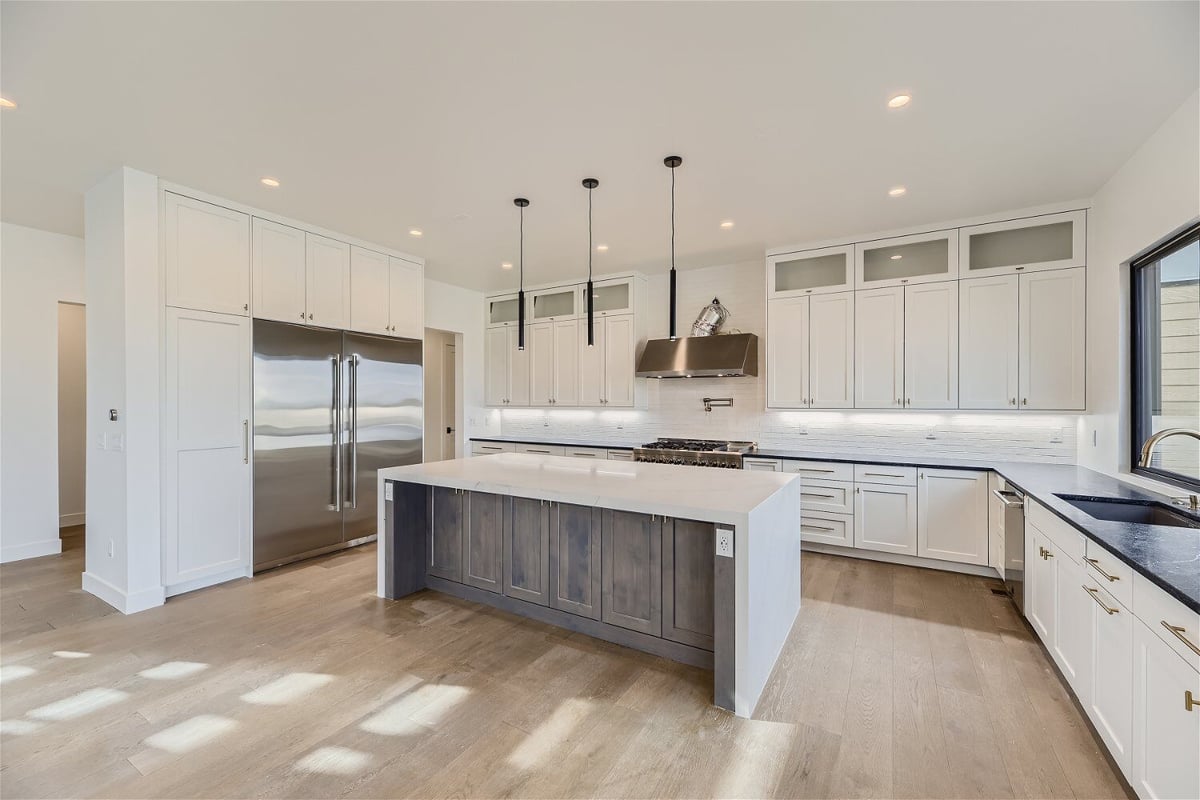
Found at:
[380, 117]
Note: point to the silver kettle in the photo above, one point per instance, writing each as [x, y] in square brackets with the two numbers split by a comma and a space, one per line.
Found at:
[710, 320]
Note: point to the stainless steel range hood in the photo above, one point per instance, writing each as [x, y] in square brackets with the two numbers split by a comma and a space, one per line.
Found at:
[732, 355]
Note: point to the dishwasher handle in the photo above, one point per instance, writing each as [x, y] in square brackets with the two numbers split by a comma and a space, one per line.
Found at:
[1010, 499]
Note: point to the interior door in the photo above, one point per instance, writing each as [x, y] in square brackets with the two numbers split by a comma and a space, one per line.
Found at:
[296, 501]
[879, 348]
[831, 351]
[449, 401]
[931, 345]
[383, 398]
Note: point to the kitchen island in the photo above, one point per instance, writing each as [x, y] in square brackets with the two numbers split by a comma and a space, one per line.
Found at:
[696, 564]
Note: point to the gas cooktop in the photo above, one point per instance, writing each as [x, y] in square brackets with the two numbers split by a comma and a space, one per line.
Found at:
[697, 452]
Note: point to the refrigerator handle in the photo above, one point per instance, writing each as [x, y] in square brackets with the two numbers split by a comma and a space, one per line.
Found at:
[336, 505]
[354, 358]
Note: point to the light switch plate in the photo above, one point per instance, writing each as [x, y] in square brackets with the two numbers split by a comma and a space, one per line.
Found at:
[725, 542]
[387, 490]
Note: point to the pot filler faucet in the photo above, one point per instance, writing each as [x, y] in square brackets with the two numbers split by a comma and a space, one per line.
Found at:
[1153, 441]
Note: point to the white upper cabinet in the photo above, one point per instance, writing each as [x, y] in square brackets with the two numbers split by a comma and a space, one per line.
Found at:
[328, 281]
[554, 363]
[931, 345]
[610, 297]
[278, 267]
[540, 341]
[406, 293]
[496, 369]
[1051, 335]
[206, 256]
[952, 515]
[369, 291]
[502, 311]
[879, 348]
[987, 348]
[1051, 241]
[787, 352]
[555, 304]
[606, 368]
[829, 269]
[902, 260]
[830, 351]
[591, 363]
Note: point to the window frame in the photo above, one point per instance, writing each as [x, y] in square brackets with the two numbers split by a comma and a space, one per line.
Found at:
[1139, 372]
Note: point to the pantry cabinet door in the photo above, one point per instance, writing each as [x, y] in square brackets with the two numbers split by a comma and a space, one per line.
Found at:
[987, 353]
[931, 345]
[1166, 720]
[328, 285]
[787, 352]
[1052, 332]
[879, 348]
[830, 352]
[278, 268]
[620, 349]
[206, 256]
[369, 291]
[952, 515]
[406, 292]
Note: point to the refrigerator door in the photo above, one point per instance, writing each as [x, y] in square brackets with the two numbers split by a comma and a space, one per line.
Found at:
[297, 509]
[384, 422]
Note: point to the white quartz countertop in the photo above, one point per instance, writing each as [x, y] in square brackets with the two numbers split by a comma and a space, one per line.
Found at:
[703, 493]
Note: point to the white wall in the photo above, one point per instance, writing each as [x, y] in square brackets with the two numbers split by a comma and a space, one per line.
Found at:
[458, 310]
[674, 407]
[1155, 193]
[72, 412]
[37, 270]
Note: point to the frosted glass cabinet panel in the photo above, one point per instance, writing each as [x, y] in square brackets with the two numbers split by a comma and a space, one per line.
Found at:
[555, 303]
[1052, 241]
[810, 272]
[920, 258]
[502, 311]
[610, 298]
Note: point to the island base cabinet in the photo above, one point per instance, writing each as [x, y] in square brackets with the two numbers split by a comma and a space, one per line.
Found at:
[483, 537]
[527, 551]
[444, 549]
[1166, 720]
[631, 571]
[688, 549]
[575, 559]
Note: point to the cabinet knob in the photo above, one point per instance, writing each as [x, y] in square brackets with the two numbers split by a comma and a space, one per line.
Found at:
[245, 306]
[898, 402]
[301, 315]
[1024, 401]
[1012, 402]
[908, 401]
[310, 315]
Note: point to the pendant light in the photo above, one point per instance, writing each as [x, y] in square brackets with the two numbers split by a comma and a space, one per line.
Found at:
[521, 203]
[672, 162]
[589, 184]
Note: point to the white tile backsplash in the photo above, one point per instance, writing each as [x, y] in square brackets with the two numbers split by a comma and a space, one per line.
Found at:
[674, 407]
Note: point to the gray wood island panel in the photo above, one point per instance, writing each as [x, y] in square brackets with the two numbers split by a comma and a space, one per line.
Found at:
[527, 550]
[575, 559]
[445, 533]
[687, 571]
[631, 548]
[483, 541]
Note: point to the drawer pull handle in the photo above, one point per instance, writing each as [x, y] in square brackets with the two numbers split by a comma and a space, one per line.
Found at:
[1096, 565]
[804, 527]
[1095, 593]
[882, 475]
[1044, 553]
[1179, 631]
[812, 469]
[1189, 702]
[813, 494]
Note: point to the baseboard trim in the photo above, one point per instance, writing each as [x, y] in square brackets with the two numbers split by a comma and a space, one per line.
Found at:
[71, 520]
[208, 580]
[140, 600]
[982, 571]
[20, 552]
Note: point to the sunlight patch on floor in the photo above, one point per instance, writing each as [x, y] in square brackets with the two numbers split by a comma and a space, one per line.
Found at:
[286, 689]
[542, 742]
[78, 705]
[191, 733]
[15, 672]
[71, 654]
[173, 670]
[422, 707]
[18, 727]
[756, 760]
[334, 761]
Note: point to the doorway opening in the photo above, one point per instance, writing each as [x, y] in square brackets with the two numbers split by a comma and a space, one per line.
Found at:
[72, 424]
[443, 397]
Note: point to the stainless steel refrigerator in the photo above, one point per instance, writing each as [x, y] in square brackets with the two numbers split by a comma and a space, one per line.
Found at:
[330, 409]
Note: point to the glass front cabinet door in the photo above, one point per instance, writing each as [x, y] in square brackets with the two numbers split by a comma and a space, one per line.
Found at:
[920, 258]
[1050, 241]
[822, 271]
[502, 311]
[553, 304]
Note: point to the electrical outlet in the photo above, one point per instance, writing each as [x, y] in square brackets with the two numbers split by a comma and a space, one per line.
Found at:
[387, 490]
[111, 548]
[725, 542]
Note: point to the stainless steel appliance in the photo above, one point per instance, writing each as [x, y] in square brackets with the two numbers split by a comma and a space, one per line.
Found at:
[696, 452]
[330, 409]
[726, 355]
[1014, 544]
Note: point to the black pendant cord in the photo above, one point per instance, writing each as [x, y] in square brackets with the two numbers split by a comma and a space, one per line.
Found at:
[590, 184]
[672, 162]
[521, 203]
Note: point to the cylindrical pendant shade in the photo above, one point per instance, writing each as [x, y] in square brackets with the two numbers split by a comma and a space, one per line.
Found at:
[591, 339]
[521, 320]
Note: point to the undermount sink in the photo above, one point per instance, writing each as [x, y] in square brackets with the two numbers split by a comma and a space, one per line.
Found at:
[1142, 512]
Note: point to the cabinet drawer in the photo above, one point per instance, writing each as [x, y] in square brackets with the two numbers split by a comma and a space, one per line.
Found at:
[487, 448]
[1064, 536]
[820, 470]
[541, 449]
[1114, 575]
[620, 455]
[1157, 610]
[895, 476]
[835, 497]
[816, 526]
[586, 452]
[761, 464]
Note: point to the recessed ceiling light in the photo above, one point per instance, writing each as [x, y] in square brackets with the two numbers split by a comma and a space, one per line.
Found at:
[603, 248]
[727, 223]
[6, 103]
[897, 191]
[416, 232]
[506, 265]
[270, 182]
[897, 257]
[899, 100]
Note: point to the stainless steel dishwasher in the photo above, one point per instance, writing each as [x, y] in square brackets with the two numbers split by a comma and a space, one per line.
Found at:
[1014, 543]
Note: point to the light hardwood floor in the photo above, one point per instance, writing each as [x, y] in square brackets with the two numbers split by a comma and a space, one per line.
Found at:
[896, 682]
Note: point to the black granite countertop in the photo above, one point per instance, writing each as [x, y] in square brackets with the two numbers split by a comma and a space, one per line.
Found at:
[1169, 557]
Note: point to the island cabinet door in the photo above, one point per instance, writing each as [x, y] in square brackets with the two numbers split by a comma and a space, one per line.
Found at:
[688, 549]
[575, 559]
[445, 533]
[632, 571]
[527, 551]
[483, 536]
